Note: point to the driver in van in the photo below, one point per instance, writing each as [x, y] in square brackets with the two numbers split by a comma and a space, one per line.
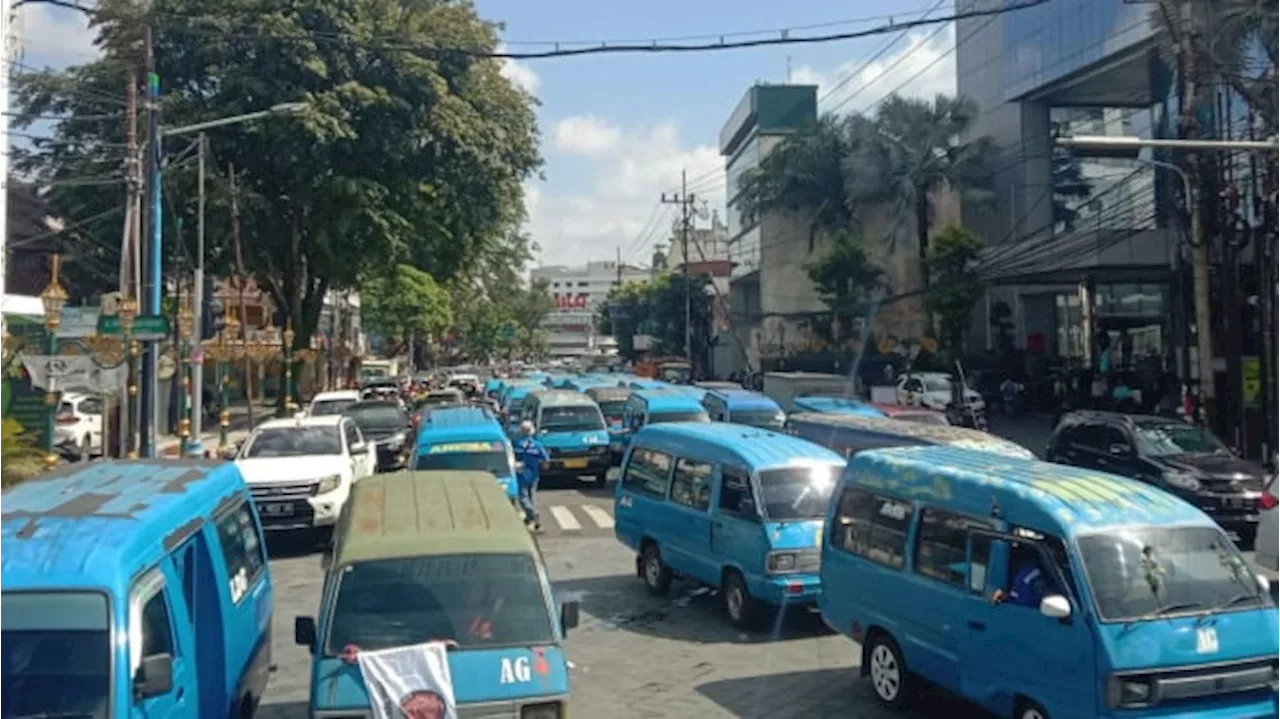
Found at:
[1030, 581]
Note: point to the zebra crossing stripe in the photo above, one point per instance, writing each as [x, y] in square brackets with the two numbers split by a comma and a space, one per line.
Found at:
[565, 518]
[599, 516]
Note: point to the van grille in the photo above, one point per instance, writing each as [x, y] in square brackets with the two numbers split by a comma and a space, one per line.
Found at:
[1215, 680]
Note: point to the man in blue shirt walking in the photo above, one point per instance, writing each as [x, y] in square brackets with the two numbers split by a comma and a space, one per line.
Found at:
[531, 454]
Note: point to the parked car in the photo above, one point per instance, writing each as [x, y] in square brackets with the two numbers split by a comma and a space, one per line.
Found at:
[335, 402]
[933, 390]
[1178, 457]
[1268, 536]
[78, 428]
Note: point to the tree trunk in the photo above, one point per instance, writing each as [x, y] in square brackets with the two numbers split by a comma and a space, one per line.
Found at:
[922, 248]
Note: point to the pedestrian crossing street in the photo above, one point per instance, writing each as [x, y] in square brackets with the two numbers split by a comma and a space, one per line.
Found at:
[572, 519]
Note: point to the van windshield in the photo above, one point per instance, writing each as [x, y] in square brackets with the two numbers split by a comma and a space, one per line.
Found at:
[659, 417]
[477, 600]
[797, 493]
[763, 418]
[55, 652]
[613, 410]
[493, 462]
[581, 418]
[1158, 571]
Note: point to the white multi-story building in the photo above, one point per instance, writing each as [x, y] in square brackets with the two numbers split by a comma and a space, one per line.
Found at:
[579, 292]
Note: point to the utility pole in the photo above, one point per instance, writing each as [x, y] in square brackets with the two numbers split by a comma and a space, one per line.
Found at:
[129, 267]
[150, 303]
[197, 307]
[1189, 129]
[685, 200]
[617, 253]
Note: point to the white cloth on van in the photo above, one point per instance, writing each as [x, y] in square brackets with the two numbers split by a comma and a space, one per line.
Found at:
[409, 682]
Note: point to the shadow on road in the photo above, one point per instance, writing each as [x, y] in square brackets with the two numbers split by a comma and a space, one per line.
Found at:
[690, 613]
[809, 693]
[291, 546]
[282, 710]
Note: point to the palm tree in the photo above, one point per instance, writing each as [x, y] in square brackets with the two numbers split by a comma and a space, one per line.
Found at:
[806, 175]
[910, 151]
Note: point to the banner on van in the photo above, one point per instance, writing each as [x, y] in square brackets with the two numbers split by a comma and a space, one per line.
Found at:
[409, 682]
[451, 447]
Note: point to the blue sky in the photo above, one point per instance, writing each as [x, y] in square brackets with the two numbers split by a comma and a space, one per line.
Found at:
[618, 129]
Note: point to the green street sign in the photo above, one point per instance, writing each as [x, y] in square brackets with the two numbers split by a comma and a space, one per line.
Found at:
[145, 328]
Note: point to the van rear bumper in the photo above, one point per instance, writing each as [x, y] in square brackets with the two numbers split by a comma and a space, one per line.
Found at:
[788, 589]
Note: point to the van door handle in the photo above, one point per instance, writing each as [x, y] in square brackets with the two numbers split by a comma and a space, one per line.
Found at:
[978, 626]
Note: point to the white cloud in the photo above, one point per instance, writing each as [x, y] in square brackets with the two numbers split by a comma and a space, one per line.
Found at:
[49, 35]
[520, 74]
[921, 65]
[586, 135]
[628, 178]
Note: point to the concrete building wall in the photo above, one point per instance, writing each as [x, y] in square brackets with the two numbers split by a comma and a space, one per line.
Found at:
[579, 291]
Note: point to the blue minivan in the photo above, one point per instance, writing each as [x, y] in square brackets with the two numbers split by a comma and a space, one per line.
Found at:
[849, 434]
[1038, 590]
[466, 439]
[743, 406]
[653, 406]
[573, 430]
[835, 405]
[734, 507]
[134, 589]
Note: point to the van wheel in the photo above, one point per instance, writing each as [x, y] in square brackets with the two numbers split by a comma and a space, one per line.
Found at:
[657, 577]
[888, 671]
[743, 610]
[602, 479]
[1028, 709]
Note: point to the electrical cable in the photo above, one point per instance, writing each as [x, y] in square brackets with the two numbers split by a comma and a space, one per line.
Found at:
[876, 56]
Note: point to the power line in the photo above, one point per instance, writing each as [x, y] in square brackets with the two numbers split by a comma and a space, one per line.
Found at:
[654, 47]
[880, 53]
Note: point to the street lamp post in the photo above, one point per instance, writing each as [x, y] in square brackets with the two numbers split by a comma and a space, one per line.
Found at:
[186, 323]
[54, 298]
[223, 351]
[156, 249]
[129, 313]
[288, 336]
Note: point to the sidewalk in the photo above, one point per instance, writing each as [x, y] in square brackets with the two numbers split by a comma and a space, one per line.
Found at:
[170, 446]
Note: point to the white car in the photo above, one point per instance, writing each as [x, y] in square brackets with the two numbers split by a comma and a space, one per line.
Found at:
[933, 390]
[300, 470]
[1266, 551]
[335, 402]
[79, 423]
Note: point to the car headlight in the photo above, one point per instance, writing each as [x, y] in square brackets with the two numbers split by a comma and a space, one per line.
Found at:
[397, 440]
[782, 562]
[600, 449]
[328, 484]
[1128, 692]
[543, 710]
[1182, 480]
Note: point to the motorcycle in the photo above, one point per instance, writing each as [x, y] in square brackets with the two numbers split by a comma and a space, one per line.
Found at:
[965, 415]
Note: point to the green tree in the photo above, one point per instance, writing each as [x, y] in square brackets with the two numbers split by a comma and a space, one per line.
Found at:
[656, 308]
[527, 307]
[624, 313]
[406, 305]
[403, 155]
[806, 175]
[909, 153]
[847, 281]
[956, 287]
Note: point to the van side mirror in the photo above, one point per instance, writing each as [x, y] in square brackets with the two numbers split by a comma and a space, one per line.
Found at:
[568, 616]
[1055, 606]
[1120, 449]
[154, 676]
[304, 632]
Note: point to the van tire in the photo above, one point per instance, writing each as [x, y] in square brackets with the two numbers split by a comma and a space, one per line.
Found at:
[890, 679]
[743, 610]
[602, 479]
[656, 575]
[1028, 709]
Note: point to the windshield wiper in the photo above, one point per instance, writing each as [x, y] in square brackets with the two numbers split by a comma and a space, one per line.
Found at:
[1237, 599]
[1162, 611]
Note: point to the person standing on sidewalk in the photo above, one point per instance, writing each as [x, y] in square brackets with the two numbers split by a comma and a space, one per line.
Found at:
[531, 454]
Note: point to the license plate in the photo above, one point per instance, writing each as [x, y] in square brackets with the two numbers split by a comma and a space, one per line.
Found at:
[575, 463]
[278, 509]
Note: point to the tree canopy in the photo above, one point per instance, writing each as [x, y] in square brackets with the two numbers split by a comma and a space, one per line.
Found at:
[656, 308]
[847, 281]
[956, 287]
[405, 306]
[401, 155]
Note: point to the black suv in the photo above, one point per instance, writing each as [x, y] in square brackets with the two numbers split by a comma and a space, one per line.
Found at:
[1180, 458]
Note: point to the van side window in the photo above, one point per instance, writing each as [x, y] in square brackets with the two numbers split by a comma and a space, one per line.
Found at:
[648, 472]
[157, 632]
[872, 526]
[735, 492]
[979, 560]
[241, 549]
[691, 484]
[940, 546]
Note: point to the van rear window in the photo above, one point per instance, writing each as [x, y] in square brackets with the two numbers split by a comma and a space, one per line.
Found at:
[55, 655]
[478, 601]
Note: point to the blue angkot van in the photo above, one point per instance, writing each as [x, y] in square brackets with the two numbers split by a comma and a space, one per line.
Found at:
[572, 428]
[439, 556]
[733, 507]
[744, 406]
[835, 405]
[466, 439]
[133, 589]
[1038, 590]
